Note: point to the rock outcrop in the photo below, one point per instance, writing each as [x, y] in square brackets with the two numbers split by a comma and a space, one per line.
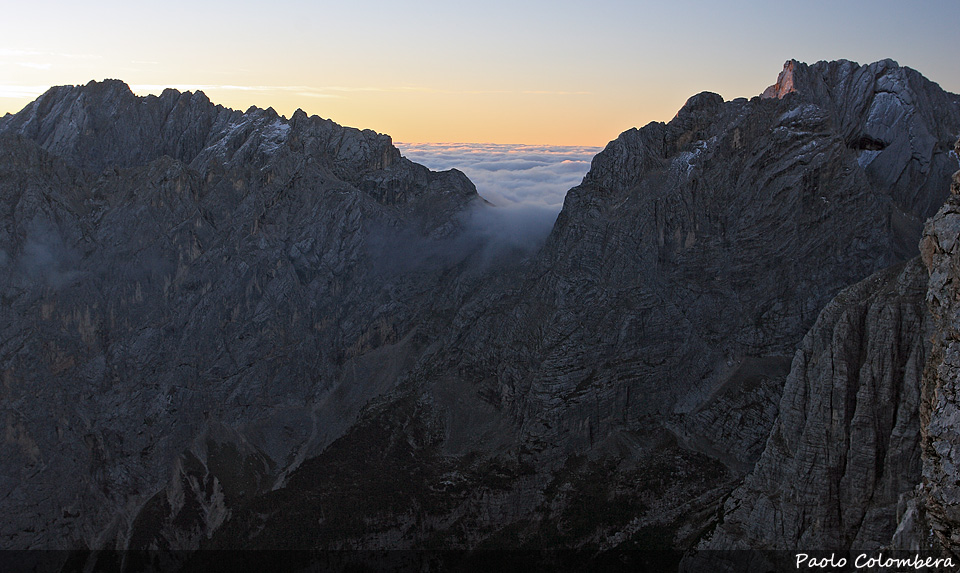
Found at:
[846, 444]
[939, 493]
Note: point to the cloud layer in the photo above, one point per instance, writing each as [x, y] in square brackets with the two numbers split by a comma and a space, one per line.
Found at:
[525, 183]
[510, 175]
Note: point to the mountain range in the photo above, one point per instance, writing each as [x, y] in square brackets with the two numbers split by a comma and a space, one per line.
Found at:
[225, 329]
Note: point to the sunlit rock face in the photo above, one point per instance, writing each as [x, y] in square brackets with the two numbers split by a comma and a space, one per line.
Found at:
[784, 83]
[232, 329]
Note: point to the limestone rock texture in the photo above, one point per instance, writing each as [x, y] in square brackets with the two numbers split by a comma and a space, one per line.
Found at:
[846, 445]
[939, 492]
[225, 329]
[861, 455]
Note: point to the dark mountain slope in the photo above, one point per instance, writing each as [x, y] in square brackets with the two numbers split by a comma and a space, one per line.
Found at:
[846, 445]
[859, 455]
[234, 293]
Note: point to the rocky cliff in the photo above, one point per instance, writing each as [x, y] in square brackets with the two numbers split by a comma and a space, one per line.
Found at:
[860, 454]
[939, 492]
[845, 447]
[228, 329]
[683, 272]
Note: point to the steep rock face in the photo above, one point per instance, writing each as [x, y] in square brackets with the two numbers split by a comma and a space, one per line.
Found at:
[171, 268]
[861, 412]
[846, 444]
[683, 272]
[883, 111]
[939, 494]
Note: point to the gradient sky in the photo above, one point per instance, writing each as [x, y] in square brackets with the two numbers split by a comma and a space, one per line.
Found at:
[560, 73]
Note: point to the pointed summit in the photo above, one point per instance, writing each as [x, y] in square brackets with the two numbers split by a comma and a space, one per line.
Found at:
[784, 83]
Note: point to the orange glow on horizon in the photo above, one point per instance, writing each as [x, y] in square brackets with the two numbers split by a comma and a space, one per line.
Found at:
[502, 72]
[540, 118]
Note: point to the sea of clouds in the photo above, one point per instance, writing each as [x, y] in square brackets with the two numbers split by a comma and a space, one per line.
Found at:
[510, 175]
[525, 183]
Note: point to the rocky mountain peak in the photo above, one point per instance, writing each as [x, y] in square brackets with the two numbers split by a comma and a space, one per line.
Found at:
[104, 125]
[844, 79]
[703, 101]
[784, 83]
[108, 85]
